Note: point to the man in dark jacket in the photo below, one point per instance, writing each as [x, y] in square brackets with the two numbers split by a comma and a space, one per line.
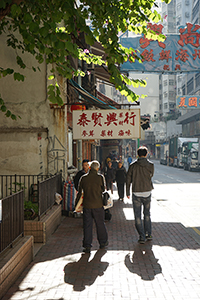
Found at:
[109, 173]
[139, 175]
[80, 173]
[92, 185]
[120, 179]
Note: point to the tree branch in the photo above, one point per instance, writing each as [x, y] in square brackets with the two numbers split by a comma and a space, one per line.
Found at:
[6, 11]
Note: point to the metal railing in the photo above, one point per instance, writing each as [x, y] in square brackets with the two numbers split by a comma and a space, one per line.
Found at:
[46, 193]
[12, 219]
[10, 184]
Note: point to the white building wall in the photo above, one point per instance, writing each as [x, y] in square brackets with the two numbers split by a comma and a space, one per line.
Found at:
[36, 143]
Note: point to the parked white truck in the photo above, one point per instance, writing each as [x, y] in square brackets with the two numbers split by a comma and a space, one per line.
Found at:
[193, 158]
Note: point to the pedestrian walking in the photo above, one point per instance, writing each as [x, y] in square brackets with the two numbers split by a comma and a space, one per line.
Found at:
[79, 174]
[120, 178]
[139, 175]
[129, 160]
[109, 173]
[92, 185]
[115, 163]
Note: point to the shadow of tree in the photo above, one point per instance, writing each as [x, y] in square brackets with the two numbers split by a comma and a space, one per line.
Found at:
[85, 272]
[143, 262]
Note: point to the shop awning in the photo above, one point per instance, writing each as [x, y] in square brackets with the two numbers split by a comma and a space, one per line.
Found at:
[92, 100]
[188, 117]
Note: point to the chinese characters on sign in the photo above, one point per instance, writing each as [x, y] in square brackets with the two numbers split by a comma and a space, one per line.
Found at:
[179, 52]
[188, 101]
[106, 124]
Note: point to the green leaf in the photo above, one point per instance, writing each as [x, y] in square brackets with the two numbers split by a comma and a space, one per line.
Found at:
[8, 113]
[34, 27]
[18, 76]
[44, 31]
[27, 18]
[89, 39]
[20, 62]
[13, 117]
[15, 10]
[3, 108]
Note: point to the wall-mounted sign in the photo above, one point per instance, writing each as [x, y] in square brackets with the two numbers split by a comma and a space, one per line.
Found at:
[106, 124]
[178, 53]
[189, 101]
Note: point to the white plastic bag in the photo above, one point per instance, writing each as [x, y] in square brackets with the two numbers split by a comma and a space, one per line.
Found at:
[58, 198]
[110, 201]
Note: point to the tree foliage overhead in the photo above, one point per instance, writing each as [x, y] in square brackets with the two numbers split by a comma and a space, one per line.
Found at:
[50, 30]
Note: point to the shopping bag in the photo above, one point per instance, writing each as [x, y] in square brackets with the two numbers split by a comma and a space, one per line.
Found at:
[105, 197]
[69, 195]
[109, 201]
[79, 205]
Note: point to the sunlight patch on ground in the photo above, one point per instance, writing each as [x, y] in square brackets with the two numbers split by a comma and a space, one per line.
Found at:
[186, 191]
[182, 201]
[128, 213]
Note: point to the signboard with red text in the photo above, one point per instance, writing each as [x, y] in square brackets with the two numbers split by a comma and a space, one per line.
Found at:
[178, 53]
[189, 101]
[106, 124]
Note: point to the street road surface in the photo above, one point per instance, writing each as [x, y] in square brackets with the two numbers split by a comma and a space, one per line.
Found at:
[178, 192]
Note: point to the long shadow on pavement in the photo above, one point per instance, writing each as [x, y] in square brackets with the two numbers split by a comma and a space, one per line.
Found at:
[84, 272]
[81, 271]
[143, 262]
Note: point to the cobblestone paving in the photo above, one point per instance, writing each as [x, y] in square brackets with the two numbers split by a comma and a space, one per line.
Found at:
[168, 267]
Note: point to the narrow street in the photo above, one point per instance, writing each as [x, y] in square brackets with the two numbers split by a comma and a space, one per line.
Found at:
[177, 191]
[168, 267]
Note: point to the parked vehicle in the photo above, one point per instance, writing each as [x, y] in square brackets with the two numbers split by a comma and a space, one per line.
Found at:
[176, 151]
[190, 156]
[164, 154]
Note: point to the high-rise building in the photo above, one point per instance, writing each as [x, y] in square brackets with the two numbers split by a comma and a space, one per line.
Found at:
[175, 14]
[191, 82]
[167, 83]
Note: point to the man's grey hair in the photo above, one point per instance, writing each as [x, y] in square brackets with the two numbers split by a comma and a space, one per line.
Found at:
[95, 165]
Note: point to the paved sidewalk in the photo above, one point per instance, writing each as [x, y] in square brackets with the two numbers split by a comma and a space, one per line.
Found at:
[168, 267]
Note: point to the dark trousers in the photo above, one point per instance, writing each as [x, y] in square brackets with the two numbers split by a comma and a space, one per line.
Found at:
[96, 214]
[109, 185]
[144, 227]
[120, 188]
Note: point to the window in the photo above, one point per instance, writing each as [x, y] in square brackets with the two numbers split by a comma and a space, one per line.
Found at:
[178, 6]
[178, 20]
[197, 79]
[165, 105]
[165, 94]
[179, 78]
[190, 86]
[179, 91]
[171, 105]
[171, 25]
[187, 14]
[183, 88]
[187, 2]
[171, 95]
[165, 82]
[195, 10]
[171, 82]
